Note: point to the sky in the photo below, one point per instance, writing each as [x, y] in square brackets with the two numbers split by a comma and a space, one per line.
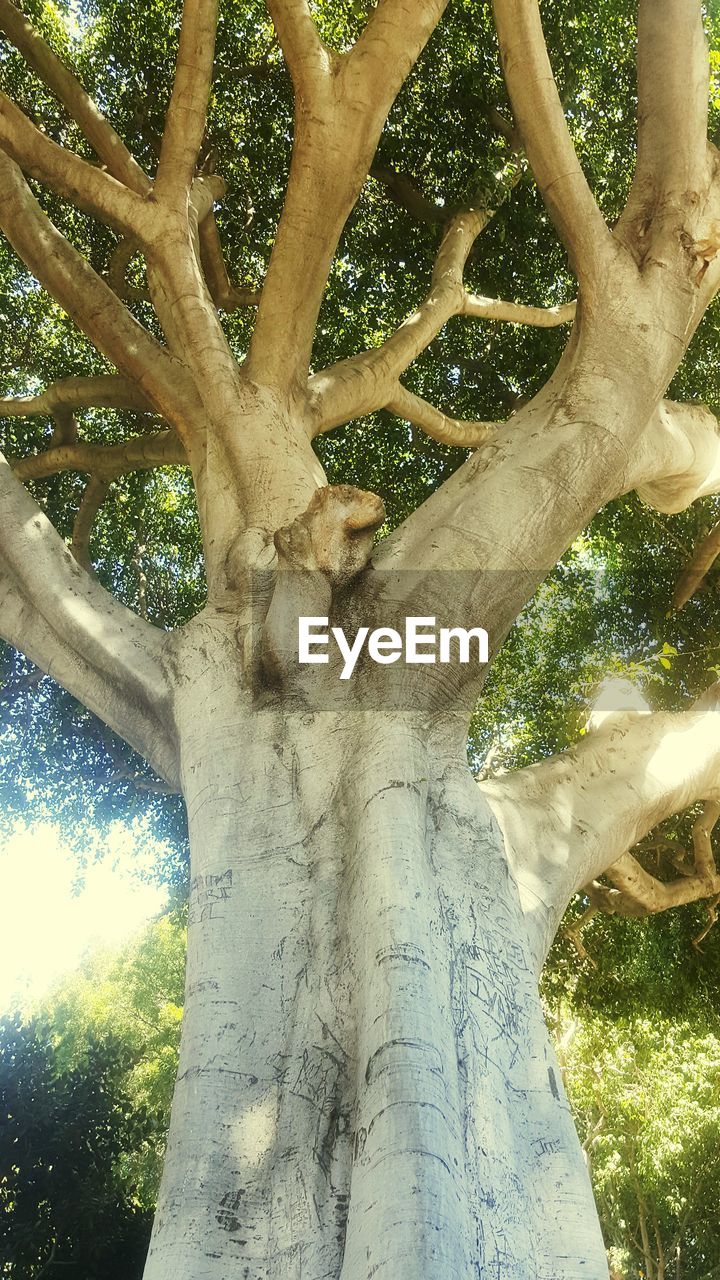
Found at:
[47, 924]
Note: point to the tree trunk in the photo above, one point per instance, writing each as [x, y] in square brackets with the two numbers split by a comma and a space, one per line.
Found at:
[366, 1086]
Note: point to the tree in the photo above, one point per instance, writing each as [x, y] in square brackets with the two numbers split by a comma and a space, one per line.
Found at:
[129, 1003]
[365, 1079]
[62, 1133]
[644, 1093]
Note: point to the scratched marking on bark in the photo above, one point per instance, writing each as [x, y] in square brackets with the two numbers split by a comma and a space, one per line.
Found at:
[227, 1213]
[317, 1076]
[496, 982]
[547, 1146]
[208, 895]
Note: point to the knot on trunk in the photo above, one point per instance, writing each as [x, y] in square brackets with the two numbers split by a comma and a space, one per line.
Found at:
[320, 552]
[334, 535]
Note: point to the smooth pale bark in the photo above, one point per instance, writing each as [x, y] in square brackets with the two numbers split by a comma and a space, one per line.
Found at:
[366, 1085]
[587, 807]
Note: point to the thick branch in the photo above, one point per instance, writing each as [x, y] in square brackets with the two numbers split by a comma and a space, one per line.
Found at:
[677, 459]
[101, 136]
[93, 497]
[75, 631]
[185, 121]
[105, 391]
[392, 41]
[89, 188]
[666, 212]
[572, 818]
[341, 104]
[449, 431]
[694, 574]
[560, 463]
[546, 137]
[140, 453]
[190, 321]
[91, 303]
[225, 295]
[562, 456]
[368, 381]
[673, 79]
[305, 54]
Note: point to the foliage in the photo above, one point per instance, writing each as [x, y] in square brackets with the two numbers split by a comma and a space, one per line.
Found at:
[646, 1094]
[132, 997]
[63, 1133]
[86, 1082]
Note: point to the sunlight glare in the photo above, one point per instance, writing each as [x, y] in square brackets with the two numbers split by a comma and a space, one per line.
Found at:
[46, 927]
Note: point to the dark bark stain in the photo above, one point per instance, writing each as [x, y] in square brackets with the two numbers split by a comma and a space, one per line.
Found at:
[428, 1052]
[226, 1216]
[398, 784]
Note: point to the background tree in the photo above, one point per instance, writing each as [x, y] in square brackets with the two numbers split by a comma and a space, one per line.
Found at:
[339, 1066]
[646, 1095]
[133, 999]
[63, 1203]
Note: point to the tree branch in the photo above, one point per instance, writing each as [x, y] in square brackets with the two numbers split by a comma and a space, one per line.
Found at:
[697, 569]
[341, 104]
[102, 137]
[140, 453]
[62, 398]
[518, 312]
[308, 59]
[117, 267]
[677, 459]
[392, 41]
[111, 150]
[666, 211]
[104, 391]
[673, 78]
[573, 817]
[563, 466]
[448, 431]
[89, 188]
[185, 121]
[93, 497]
[69, 625]
[546, 137]
[226, 296]
[641, 894]
[367, 381]
[405, 192]
[91, 303]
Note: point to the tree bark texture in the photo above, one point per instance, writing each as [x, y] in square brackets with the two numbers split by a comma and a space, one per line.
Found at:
[366, 1085]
